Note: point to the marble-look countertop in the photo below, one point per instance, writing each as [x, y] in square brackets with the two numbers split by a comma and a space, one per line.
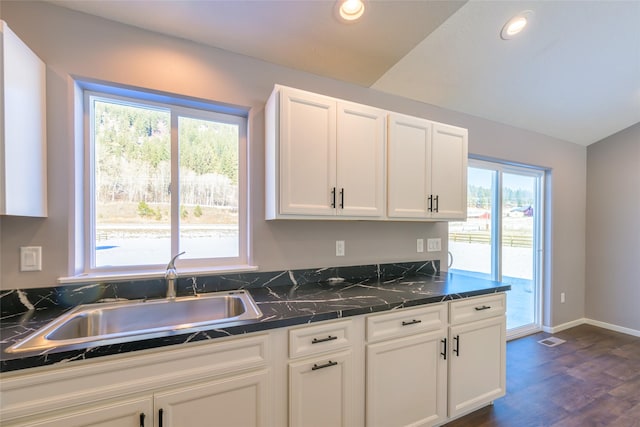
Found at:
[282, 306]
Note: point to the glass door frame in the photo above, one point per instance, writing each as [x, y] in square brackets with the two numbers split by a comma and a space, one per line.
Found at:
[538, 243]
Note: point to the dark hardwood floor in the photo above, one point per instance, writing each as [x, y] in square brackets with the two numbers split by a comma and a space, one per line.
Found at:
[593, 379]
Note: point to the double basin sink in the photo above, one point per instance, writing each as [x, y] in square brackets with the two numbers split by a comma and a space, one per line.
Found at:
[110, 323]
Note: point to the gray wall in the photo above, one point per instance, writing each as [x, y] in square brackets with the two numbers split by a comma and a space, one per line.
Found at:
[75, 44]
[613, 229]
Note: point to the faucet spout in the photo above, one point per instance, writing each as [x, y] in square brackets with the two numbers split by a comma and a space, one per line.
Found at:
[171, 276]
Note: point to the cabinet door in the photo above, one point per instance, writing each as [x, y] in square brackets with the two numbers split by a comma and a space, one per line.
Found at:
[477, 364]
[320, 391]
[408, 167]
[406, 381]
[128, 413]
[449, 172]
[360, 157]
[237, 401]
[23, 167]
[307, 149]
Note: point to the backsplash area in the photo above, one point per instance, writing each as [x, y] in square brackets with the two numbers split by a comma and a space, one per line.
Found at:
[15, 302]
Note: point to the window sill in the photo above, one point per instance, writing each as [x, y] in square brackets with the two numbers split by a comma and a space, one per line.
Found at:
[154, 274]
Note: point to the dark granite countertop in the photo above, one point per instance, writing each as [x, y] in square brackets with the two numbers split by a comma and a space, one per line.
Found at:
[281, 305]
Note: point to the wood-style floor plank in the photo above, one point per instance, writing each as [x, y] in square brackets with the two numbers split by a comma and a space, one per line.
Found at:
[591, 380]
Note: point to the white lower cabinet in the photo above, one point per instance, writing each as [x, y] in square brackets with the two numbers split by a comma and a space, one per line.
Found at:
[135, 412]
[419, 366]
[225, 383]
[238, 401]
[406, 376]
[321, 375]
[320, 391]
[477, 360]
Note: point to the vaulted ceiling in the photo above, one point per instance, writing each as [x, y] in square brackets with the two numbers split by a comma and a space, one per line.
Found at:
[573, 74]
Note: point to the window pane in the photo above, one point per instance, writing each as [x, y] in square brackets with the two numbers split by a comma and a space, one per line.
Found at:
[208, 188]
[470, 241]
[518, 205]
[132, 175]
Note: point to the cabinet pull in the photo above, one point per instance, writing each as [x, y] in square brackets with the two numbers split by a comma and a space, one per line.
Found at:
[333, 197]
[142, 417]
[326, 365]
[342, 198]
[430, 205]
[413, 322]
[319, 340]
[484, 307]
[437, 204]
[444, 348]
[457, 349]
[160, 413]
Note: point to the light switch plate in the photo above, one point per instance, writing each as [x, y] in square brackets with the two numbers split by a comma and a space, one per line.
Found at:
[30, 258]
[420, 245]
[339, 247]
[434, 245]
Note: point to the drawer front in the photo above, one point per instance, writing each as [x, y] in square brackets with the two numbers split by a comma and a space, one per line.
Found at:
[477, 308]
[406, 322]
[320, 338]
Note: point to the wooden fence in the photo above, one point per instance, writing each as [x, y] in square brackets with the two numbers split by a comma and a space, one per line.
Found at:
[485, 238]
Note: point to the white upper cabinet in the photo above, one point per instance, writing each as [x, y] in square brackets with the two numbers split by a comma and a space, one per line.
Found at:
[427, 169]
[449, 155]
[331, 159]
[360, 160]
[324, 157]
[23, 186]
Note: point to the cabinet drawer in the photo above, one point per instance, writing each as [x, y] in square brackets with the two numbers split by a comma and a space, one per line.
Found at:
[406, 322]
[319, 338]
[478, 308]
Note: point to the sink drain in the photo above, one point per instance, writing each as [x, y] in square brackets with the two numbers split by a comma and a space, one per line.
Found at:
[551, 341]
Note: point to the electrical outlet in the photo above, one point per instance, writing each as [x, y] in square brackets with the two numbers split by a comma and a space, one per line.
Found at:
[420, 245]
[562, 299]
[434, 245]
[339, 247]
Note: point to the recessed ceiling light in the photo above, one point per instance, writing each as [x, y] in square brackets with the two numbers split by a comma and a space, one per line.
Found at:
[515, 25]
[350, 10]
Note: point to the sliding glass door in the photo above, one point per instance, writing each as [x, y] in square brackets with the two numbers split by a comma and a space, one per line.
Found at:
[502, 237]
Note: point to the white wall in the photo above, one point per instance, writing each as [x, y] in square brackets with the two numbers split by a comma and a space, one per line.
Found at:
[613, 230]
[75, 44]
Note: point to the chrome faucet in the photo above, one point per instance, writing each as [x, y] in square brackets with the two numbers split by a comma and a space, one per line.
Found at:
[171, 275]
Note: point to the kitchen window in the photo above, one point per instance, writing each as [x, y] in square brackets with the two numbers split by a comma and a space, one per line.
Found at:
[162, 176]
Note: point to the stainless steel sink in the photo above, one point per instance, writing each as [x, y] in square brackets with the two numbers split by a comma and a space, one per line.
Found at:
[105, 323]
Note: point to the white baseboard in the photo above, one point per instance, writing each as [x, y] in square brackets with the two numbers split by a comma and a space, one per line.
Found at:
[584, 320]
[616, 328]
[562, 327]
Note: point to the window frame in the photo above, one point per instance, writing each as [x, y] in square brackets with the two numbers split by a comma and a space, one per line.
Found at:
[177, 106]
[540, 226]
